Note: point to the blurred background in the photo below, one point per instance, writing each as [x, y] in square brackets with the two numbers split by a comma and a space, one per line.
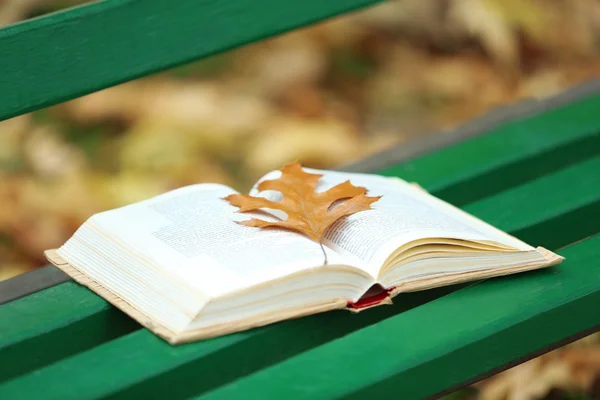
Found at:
[326, 95]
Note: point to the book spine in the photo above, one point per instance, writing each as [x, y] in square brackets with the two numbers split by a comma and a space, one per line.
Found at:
[371, 301]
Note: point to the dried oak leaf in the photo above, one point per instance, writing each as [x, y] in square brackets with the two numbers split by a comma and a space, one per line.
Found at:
[307, 211]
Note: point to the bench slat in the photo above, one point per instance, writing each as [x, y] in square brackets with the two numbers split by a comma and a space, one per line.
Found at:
[544, 199]
[140, 363]
[31, 282]
[78, 304]
[508, 155]
[451, 339]
[523, 141]
[50, 325]
[84, 49]
[499, 169]
[462, 329]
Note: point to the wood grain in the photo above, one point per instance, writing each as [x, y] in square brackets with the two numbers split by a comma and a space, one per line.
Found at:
[64, 55]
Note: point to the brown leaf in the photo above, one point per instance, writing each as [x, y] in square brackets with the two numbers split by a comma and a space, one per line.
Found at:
[307, 211]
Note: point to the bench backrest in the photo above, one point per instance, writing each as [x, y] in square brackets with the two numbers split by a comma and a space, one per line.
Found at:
[543, 186]
[66, 342]
[68, 54]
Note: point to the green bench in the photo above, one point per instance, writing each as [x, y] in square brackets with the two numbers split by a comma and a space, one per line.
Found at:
[533, 171]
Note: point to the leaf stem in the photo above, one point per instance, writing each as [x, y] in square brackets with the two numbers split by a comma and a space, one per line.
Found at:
[324, 253]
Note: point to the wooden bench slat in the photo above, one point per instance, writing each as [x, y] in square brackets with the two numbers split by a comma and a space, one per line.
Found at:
[87, 48]
[52, 324]
[498, 341]
[31, 282]
[140, 363]
[451, 339]
[544, 199]
[529, 119]
[525, 133]
[508, 155]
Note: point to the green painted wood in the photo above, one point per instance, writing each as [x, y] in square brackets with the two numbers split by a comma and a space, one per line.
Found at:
[470, 173]
[64, 55]
[545, 199]
[445, 342]
[508, 155]
[140, 364]
[536, 135]
[55, 323]
[31, 282]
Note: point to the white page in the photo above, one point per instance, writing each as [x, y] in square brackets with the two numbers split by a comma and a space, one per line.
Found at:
[403, 214]
[191, 233]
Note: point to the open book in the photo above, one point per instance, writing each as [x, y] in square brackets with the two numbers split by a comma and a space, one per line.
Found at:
[180, 265]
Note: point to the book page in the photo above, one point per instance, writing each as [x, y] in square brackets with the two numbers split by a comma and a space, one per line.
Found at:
[191, 233]
[402, 215]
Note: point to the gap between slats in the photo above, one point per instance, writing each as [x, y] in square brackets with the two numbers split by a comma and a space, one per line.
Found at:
[444, 342]
[517, 172]
[148, 364]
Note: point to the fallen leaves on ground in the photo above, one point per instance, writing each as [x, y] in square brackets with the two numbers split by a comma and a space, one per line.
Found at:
[574, 368]
[324, 95]
[308, 212]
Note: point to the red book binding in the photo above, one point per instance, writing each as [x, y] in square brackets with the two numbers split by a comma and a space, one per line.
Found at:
[369, 301]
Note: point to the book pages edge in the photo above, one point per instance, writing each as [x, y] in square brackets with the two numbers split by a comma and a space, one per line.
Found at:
[53, 257]
[255, 322]
[453, 279]
[193, 335]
